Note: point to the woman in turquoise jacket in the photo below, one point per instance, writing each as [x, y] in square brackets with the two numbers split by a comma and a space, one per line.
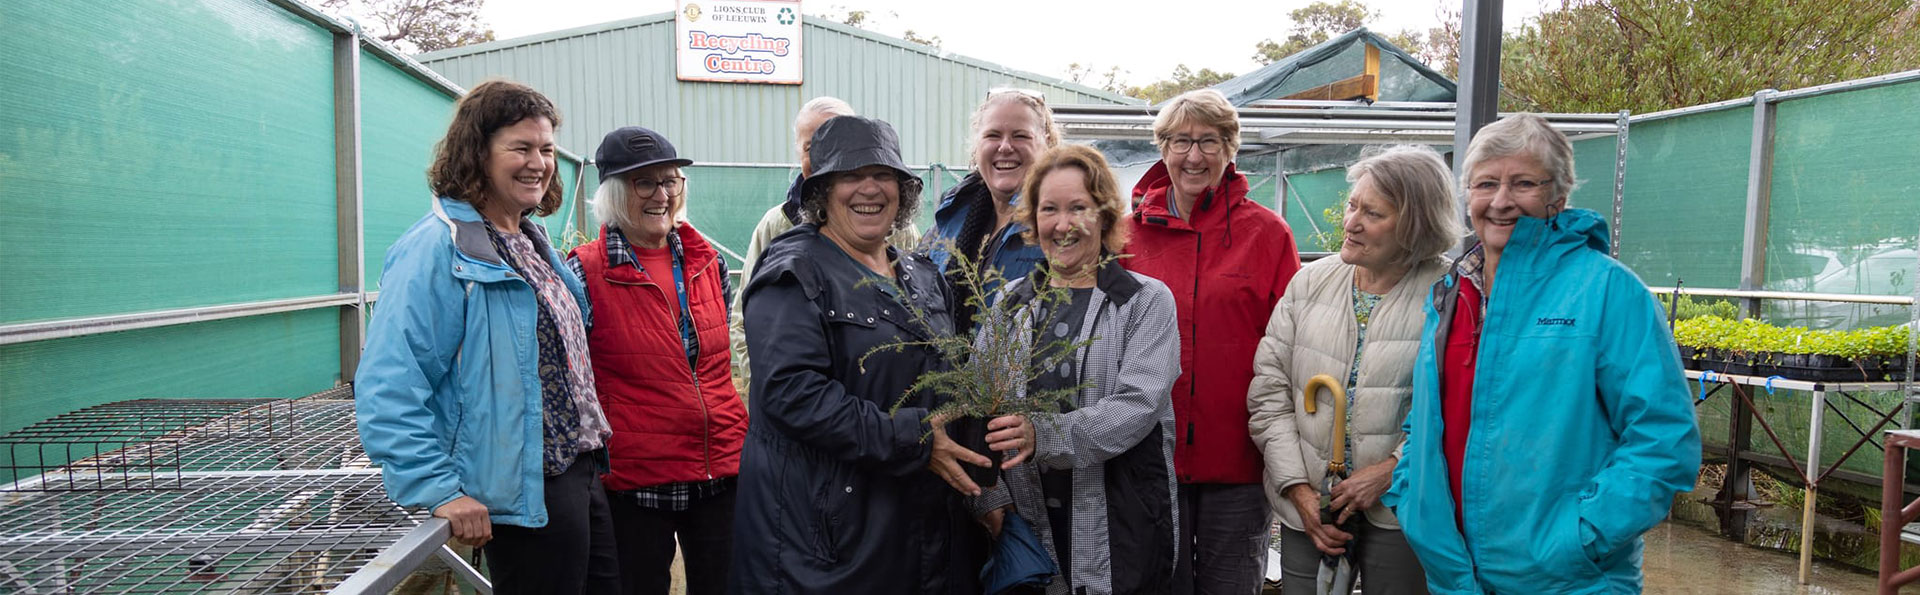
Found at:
[1551, 423]
[475, 394]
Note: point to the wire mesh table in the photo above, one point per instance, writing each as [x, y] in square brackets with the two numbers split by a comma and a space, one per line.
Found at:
[229, 496]
[1813, 474]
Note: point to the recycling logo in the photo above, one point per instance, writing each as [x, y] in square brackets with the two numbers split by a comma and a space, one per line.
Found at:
[786, 16]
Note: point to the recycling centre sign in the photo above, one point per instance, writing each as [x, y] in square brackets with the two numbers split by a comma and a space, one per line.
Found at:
[738, 41]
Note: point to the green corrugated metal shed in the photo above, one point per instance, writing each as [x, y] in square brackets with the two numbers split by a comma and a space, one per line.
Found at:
[622, 73]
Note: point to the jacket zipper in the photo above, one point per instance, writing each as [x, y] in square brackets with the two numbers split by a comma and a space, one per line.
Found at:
[706, 417]
[693, 373]
[1194, 331]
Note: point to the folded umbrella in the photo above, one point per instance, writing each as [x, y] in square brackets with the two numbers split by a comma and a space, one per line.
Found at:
[1336, 572]
[1017, 558]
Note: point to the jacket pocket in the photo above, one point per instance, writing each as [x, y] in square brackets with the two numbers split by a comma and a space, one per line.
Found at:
[1563, 553]
[831, 494]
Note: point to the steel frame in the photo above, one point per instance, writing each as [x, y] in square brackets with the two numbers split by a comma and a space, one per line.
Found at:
[243, 496]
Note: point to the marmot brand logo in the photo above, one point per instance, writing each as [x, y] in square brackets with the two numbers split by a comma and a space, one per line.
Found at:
[1553, 322]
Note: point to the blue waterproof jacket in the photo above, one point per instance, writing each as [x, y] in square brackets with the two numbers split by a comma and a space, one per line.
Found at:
[1014, 257]
[447, 395]
[1582, 428]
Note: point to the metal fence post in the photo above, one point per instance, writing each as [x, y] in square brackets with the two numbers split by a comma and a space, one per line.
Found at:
[1478, 101]
[349, 230]
[1753, 250]
[1619, 178]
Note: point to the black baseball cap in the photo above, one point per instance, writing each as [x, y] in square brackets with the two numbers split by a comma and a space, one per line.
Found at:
[631, 148]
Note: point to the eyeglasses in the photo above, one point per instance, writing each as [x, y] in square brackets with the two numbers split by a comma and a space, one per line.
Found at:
[1027, 93]
[1179, 145]
[674, 185]
[1519, 187]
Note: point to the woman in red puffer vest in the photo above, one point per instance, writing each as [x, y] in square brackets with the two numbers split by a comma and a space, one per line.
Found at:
[662, 367]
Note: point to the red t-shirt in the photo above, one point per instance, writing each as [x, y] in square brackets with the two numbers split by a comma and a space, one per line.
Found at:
[1456, 386]
[658, 262]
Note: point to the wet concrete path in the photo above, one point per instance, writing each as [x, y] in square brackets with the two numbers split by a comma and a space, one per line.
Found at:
[1684, 559]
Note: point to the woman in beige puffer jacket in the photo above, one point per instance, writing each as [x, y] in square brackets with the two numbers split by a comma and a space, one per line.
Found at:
[1355, 318]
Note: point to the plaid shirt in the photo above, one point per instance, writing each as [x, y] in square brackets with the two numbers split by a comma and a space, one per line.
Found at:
[672, 497]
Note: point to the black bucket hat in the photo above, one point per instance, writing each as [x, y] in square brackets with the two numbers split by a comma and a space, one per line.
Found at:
[848, 143]
[632, 148]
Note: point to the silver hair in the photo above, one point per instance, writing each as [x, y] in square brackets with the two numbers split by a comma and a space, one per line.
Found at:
[830, 106]
[1527, 135]
[1416, 182]
[612, 202]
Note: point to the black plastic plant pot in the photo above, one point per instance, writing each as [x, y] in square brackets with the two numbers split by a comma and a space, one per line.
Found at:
[971, 433]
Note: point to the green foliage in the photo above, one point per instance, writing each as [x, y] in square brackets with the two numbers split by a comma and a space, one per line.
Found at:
[1335, 234]
[1753, 336]
[421, 25]
[1313, 24]
[1708, 307]
[1607, 55]
[988, 368]
[1319, 21]
[1184, 79]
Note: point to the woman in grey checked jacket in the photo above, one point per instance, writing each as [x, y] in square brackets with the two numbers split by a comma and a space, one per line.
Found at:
[1098, 484]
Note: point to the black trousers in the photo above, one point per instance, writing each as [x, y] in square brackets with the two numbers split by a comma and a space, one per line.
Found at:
[574, 553]
[646, 536]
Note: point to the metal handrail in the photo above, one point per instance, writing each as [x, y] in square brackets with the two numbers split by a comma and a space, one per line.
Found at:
[1891, 300]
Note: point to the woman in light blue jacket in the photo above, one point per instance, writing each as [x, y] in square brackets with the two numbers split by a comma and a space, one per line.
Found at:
[475, 394]
[1550, 423]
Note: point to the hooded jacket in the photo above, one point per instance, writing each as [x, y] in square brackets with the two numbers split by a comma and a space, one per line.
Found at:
[1582, 428]
[1118, 440]
[1227, 264]
[1006, 250]
[776, 221]
[447, 395]
[834, 492]
[673, 421]
[965, 218]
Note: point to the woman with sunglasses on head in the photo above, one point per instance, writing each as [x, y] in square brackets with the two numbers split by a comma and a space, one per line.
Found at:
[1550, 423]
[1011, 127]
[660, 295]
[1227, 260]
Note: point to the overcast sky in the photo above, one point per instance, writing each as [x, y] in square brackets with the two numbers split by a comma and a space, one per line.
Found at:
[1041, 36]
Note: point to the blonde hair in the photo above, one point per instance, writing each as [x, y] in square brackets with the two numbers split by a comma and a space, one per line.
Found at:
[1415, 181]
[1101, 185]
[1206, 107]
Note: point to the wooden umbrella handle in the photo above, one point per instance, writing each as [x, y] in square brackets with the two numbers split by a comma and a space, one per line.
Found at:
[1338, 464]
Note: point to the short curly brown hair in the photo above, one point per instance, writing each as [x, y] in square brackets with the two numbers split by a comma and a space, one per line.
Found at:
[459, 169]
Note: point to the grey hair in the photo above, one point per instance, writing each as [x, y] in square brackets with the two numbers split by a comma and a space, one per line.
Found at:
[612, 202]
[1416, 181]
[1525, 135]
[813, 202]
[822, 105]
[1206, 107]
